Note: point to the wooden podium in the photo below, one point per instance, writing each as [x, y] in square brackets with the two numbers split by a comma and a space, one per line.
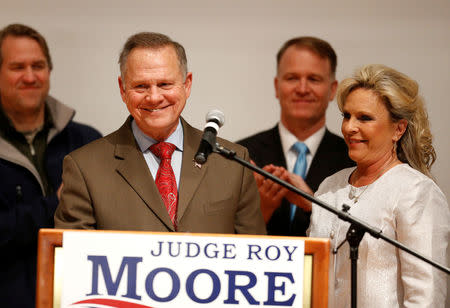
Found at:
[315, 292]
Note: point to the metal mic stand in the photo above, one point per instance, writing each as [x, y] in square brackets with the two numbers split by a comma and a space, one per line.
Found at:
[353, 237]
[357, 227]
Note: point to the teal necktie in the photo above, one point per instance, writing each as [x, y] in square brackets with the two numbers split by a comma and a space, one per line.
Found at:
[299, 167]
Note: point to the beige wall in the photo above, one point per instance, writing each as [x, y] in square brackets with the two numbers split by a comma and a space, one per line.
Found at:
[231, 47]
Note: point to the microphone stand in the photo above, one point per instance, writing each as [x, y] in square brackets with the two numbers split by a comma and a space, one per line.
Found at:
[355, 232]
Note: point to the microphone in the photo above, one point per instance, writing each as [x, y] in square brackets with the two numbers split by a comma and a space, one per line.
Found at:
[214, 120]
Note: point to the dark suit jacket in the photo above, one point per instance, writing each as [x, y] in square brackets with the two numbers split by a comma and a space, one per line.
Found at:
[108, 185]
[331, 156]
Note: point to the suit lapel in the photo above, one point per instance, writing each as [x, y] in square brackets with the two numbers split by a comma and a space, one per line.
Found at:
[191, 174]
[133, 168]
[276, 148]
[319, 168]
[265, 148]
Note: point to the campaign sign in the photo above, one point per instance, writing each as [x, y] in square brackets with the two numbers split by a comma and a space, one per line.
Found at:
[137, 270]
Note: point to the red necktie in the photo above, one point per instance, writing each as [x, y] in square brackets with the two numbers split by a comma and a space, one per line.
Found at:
[165, 178]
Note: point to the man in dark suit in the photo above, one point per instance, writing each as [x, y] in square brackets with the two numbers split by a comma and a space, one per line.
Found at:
[305, 83]
[126, 181]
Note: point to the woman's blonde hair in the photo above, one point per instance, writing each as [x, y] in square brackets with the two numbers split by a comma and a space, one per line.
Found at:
[401, 97]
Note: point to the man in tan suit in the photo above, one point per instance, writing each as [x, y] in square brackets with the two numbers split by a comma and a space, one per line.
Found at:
[109, 184]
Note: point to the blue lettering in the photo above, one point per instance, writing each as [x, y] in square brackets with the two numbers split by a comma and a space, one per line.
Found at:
[232, 287]
[151, 278]
[228, 249]
[290, 252]
[190, 286]
[188, 252]
[112, 286]
[170, 250]
[277, 253]
[160, 250]
[215, 252]
[254, 249]
[271, 288]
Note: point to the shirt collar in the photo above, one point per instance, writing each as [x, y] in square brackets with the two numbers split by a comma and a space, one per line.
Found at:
[7, 127]
[288, 139]
[145, 141]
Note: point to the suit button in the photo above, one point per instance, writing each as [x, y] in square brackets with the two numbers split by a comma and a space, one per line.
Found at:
[332, 234]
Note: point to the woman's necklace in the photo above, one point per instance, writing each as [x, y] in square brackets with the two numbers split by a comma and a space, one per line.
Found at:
[352, 193]
[353, 189]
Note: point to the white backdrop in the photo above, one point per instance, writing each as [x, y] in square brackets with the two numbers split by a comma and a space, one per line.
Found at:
[231, 47]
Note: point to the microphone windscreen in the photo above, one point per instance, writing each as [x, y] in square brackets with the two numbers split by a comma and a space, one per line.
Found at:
[216, 116]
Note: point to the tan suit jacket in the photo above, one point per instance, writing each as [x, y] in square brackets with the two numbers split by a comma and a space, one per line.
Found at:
[108, 185]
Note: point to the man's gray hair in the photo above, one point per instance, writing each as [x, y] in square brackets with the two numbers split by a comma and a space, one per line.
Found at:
[151, 40]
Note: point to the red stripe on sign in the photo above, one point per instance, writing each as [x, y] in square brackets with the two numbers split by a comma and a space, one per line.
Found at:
[111, 303]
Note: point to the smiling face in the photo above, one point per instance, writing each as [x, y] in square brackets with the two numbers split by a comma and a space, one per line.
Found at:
[24, 77]
[155, 90]
[304, 85]
[368, 129]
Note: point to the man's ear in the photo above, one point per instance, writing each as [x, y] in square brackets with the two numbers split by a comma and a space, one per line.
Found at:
[188, 84]
[275, 83]
[334, 85]
[121, 87]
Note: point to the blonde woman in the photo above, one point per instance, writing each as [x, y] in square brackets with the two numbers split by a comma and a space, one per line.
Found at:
[386, 129]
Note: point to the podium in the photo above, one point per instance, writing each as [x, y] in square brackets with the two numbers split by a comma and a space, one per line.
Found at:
[316, 264]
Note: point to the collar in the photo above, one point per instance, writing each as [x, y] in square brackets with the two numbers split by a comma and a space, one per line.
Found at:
[288, 139]
[145, 141]
[7, 127]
